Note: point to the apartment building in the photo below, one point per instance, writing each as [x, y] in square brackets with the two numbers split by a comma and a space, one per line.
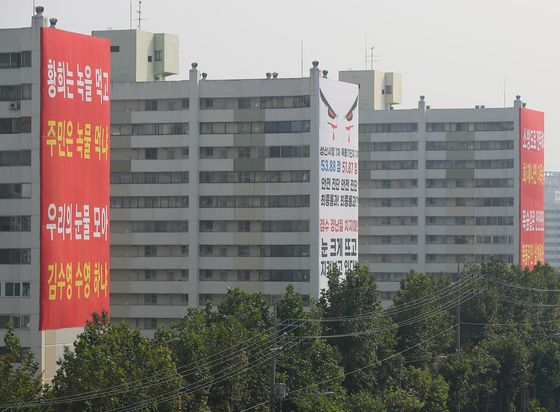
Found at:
[442, 186]
[552, 218]
[51, 275]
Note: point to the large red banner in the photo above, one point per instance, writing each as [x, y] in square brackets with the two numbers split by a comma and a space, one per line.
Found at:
[531, 187]
[75, 119]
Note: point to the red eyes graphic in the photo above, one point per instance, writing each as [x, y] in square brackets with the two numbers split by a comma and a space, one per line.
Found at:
[350, 116]
[331, 114]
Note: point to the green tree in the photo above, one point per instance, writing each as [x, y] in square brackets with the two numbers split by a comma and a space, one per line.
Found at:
[428, 387]
[470, 375]
[545, 356]
[515, 367]
[420, 298]
[354, 317]
[112, 366]
[18, 384]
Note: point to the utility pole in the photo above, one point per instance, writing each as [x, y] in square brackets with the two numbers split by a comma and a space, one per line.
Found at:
[273, 362]
[458, 314]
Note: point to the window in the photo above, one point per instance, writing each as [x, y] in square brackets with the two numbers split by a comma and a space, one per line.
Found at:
[208, 103]
[388, 89]
[150, 274]
[244, 226]
[385, 184]
[184, 249]
[244, 152]
[385, 202]
[460, 221]
[158, 55]
[385, 239]
[243, 275]
[151, 153]
[185, 103]
[184, 298]
[244, 103]
[150, 299]
[185, 274]
[115, 49]
[243, 251]
[150, 250]
[460, 202]
[150, 323]
[151, 105]
[149, 59]
[15, 256]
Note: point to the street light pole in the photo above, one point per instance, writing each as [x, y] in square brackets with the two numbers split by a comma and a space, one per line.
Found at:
[458, 313]
[273, 361]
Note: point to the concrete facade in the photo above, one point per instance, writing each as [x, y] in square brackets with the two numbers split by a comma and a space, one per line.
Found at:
[20, 108]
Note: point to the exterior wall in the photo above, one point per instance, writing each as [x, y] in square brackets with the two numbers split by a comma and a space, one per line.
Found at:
[203, 262]
[24, 310]
[552, 218]
[131, 63]
[378, 90]
[419, 207]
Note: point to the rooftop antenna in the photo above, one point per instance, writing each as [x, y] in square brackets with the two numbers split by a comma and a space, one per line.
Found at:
[370, 57]
[140, 15]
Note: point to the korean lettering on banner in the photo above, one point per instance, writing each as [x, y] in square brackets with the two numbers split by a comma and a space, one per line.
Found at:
[338, 176]
[531, 186]
[75, 141]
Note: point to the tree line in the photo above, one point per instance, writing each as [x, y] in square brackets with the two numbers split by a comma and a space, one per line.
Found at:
[346, 345]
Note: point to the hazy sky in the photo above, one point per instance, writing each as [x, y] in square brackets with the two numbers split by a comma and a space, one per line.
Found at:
[456, 53]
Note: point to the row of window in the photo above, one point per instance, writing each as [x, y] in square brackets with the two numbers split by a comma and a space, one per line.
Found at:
[149, 129]
[469, 127]
[469, 202]
[259, 226]
[168, 154]
[494, 221]
[255, 251]
[301, 126]
[17, 322]
[468, 183]
[19, 59]
[280, 102]
[388, 146]
[152, 251]
[387, 127]
[385, 165]
[15, 223]
[469, 164]
[253, 201]
[15, 158]
[15, 191]
[15, 125]
[15, 289]
[15, 256]
[496, 240]
[257, 275]
[254, 177]
[149, 177]
[126, 202]
[18, 92]
[160, 226]
[151, 274]
[470, 145]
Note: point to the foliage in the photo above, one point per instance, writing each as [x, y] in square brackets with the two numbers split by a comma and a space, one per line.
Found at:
[19, 383]
[365, 339]
[431, 316]
[117, 366]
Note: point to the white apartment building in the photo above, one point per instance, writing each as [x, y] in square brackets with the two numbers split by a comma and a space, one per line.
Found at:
[552, 218]
[437, 186]
[20, 179]
[214, 185]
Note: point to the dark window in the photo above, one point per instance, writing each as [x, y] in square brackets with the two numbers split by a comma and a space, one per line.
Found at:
[151, 153]
[149, 59]
[115, 49]
[158, 55]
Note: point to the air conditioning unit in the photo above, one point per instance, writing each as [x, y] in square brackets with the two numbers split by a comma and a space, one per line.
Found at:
[15, 105]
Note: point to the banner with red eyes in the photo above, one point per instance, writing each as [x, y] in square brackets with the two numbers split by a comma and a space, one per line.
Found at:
[338, 176]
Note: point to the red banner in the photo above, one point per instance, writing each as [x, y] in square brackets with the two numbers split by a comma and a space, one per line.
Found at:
[75, 119]
[531, 187]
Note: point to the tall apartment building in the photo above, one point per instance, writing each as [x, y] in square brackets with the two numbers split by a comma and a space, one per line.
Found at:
[440, 185]
[552, 218]
[47, 285]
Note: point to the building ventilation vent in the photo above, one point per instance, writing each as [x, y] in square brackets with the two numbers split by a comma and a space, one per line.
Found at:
[15, 105]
